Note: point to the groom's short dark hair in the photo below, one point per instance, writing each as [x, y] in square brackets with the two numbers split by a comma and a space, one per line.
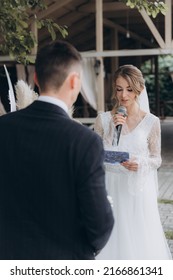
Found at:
[53, 63]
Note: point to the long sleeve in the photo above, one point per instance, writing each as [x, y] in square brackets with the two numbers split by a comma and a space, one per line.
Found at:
[154, 143]
[149, 162]
[153, 160]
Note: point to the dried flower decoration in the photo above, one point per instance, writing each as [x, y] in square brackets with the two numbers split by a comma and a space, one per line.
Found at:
[25, 95]
[2, 109]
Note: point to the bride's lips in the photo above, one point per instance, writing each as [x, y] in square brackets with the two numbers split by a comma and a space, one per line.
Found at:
[124, 101]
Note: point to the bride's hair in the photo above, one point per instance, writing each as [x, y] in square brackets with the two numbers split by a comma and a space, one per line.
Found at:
[134, 78]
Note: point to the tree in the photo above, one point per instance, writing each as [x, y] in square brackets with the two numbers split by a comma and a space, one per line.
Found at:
[152, 7]
[18, 40]
[165, 83]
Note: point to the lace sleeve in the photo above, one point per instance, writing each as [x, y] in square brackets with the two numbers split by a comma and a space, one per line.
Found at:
[137, 180]
[153, 160]
[154, 144]
[98, 126]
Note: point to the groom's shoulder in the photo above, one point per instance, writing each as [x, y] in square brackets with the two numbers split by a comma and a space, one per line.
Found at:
[8, 116]
[84, 131]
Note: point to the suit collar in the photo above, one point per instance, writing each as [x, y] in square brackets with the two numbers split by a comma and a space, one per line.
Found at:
[47, 108]
[53, 100]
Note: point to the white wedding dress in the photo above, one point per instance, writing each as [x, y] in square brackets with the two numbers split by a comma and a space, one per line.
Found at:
[138, 233]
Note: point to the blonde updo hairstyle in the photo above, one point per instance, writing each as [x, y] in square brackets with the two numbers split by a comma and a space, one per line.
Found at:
[134, 78]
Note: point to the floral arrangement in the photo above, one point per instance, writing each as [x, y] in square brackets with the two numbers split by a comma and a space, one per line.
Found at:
[2, 109]
[25, 95]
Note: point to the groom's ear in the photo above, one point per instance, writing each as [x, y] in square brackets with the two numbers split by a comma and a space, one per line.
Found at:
[75, 80]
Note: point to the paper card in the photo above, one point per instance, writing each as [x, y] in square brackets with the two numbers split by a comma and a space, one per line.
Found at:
[115, 157]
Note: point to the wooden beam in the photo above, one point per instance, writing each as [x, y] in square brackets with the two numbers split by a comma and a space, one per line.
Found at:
[81, 25]
[89, 36]
[52, 8]
[152, 28]
[73, 29]
[157, 95]
[114, 46]
[99, 48]
[134, 52]
[34, 30]
[119, 53]
[123, 30]
[99, 25]
[137, 52]
[168, 24]
[107, 7]
[70, 18]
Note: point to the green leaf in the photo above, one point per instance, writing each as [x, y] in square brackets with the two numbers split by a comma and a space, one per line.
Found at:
[152, 7]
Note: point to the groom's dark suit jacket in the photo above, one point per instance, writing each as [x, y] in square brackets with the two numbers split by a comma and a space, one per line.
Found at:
[53, 201]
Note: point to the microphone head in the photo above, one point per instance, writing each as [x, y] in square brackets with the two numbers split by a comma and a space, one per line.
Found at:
[122, 110]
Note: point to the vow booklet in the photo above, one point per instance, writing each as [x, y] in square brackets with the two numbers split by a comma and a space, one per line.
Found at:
[115, 157]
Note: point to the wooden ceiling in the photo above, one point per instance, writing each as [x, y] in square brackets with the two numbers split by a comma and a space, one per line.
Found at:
[123, 28]
[79, 16]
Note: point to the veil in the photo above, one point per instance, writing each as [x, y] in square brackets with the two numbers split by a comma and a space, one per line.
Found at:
[143, 101]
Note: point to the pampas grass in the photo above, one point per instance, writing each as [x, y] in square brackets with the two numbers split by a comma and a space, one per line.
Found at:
[2, 109]
[25, 95]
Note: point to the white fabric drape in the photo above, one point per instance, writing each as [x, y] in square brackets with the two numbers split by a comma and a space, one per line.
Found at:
[89, 88]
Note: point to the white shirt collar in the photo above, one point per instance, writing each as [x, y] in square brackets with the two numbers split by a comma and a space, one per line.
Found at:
[54, 101]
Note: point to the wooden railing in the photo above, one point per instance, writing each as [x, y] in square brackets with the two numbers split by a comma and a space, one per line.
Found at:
[86, 121]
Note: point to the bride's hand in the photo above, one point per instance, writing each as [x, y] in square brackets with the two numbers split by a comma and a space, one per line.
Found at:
[130, 165]
[119, 119]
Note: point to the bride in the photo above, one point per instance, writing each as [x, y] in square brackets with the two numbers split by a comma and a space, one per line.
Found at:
[133, 184]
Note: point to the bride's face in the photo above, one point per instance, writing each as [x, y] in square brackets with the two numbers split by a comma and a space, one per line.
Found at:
[125, 95]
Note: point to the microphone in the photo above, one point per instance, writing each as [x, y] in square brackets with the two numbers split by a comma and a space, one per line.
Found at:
[121, 110]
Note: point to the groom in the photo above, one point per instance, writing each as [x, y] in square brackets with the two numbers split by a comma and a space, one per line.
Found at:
[53, 203]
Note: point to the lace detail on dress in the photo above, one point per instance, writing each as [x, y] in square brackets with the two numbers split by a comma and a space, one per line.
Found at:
[134, 194]
[154, 143]
[143, 144]
[104, 126]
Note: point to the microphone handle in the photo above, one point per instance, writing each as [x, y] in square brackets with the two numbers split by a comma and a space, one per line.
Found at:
[117, 131]
[118, 128]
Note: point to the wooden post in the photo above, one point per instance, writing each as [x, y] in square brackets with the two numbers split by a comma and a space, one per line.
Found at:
[168, 24]
[157, 108]
[34, 30]
[99, 47]
[114, 46]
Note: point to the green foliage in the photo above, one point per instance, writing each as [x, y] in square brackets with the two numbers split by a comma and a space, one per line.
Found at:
[52, 27]
[165, 201]
[152, 7]
[169, 234]
[18, 40]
